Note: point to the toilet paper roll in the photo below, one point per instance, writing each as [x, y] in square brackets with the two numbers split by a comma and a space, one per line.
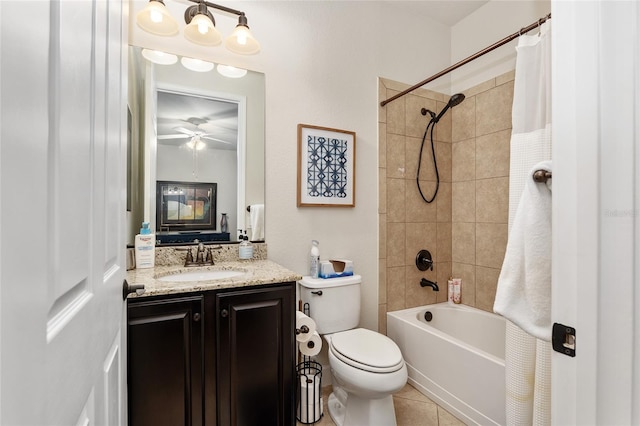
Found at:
[312, 346]
[310, 408]
[310, 389]
[305, 327]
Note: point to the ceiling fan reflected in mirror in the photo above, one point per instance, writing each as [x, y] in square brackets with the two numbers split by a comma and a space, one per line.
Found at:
[197, 137]
[196, 122]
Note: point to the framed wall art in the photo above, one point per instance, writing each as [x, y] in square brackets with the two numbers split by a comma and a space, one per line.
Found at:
[326, 167]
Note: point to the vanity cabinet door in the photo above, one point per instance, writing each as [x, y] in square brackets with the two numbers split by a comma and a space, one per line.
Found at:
[256, 358]
[165, 353]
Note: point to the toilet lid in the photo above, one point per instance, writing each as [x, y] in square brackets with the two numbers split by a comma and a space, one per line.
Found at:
[367, 350]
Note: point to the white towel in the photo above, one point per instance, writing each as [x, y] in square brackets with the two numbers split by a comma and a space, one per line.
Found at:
[524, 287]
[257, 221]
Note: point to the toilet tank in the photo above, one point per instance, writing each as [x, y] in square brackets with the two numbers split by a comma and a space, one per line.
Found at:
[334, 303]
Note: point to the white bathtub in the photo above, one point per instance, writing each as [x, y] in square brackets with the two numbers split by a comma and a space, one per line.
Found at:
[456, 359]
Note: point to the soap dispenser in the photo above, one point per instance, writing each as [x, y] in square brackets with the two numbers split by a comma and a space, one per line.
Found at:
[145, 247]
[245, 250]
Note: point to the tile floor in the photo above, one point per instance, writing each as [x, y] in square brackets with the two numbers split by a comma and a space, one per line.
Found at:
[412, 409]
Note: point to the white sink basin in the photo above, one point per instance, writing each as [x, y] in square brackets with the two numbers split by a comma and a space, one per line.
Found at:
[206, 275]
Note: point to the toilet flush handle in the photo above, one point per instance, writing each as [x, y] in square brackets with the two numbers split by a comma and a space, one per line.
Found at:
[319, 292]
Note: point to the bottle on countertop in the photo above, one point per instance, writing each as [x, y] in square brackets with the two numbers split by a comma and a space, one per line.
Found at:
[245, 249]
[145, 247]
[314, 258]
[224, 223]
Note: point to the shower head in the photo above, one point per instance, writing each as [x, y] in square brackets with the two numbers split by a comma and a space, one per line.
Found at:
[456, 99]
[453, 101]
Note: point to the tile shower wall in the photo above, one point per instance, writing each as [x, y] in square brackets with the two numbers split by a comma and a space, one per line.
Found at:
[465, 229]
[407, 223]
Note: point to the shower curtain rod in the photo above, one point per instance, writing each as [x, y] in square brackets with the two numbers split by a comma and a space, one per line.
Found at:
[469, 59]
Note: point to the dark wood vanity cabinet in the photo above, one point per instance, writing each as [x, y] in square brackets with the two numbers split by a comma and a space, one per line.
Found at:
[223, 357]
[165, 361]
[255, 346]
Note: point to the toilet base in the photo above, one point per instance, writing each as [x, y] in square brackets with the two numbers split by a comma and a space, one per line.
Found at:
[360, 411]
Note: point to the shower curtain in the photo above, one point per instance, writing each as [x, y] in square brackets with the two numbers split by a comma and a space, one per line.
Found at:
[528, 360]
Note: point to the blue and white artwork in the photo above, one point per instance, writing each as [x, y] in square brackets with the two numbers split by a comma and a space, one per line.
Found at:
[328, 167]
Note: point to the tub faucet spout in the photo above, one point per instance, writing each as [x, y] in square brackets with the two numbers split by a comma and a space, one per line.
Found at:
[427, 283]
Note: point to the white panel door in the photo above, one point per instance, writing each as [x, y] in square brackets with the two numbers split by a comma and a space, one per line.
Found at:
[62, 140]
[596, 220]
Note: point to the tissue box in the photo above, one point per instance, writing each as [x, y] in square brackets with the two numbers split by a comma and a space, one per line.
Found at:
[335, 268]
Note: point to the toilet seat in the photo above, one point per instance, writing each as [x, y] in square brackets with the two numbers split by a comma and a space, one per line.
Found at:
[367, 350]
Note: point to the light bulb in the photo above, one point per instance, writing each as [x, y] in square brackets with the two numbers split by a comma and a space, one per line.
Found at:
[156, 16]
[242, 38]
[241, 41]
[203, 28]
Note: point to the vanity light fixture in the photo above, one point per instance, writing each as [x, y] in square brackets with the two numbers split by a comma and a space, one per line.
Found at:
[231, 72]
[200, 29]
[241, 40]
[156, 19]
[159, 57]
[196, 65]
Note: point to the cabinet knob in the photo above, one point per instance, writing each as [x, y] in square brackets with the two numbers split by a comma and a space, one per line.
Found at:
[224, 313]
[196, 317]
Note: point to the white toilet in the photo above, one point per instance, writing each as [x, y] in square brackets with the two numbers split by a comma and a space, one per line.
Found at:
[366, 367]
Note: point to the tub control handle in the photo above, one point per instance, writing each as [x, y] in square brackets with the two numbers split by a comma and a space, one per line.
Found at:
[319, 292]
[424, 260]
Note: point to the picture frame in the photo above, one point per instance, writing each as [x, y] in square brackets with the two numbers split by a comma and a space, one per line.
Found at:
[186, 206]
[326, 167]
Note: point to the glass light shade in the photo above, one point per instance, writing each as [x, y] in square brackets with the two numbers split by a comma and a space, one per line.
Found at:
[196, 143]
[156, 19]
[159, 57]
[196, 64]
[241, 41]
[202, 31]
[231, 72]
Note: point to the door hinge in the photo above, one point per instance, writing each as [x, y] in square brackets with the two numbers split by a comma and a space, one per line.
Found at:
[563, 339]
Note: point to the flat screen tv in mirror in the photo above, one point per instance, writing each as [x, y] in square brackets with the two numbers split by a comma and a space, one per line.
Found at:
[186, 211]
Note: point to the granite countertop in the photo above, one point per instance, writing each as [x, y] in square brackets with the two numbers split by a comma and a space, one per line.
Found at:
[256, 272]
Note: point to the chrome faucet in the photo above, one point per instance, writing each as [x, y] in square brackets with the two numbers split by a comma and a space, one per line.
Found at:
[202, 259]
[427, 283]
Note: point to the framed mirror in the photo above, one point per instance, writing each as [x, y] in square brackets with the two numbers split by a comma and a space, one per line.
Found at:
[175, 111]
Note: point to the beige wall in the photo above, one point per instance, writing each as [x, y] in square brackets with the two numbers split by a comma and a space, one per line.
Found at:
[465, 229]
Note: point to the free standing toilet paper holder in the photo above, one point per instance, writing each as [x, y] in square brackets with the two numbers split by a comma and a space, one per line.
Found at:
[302, 330]
[309, 392]
[309, 385]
